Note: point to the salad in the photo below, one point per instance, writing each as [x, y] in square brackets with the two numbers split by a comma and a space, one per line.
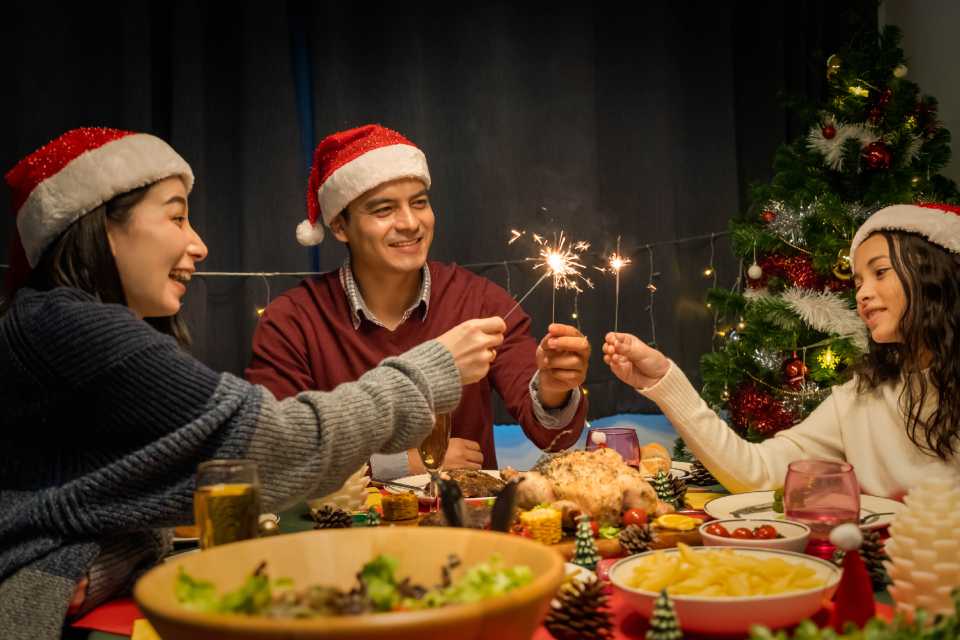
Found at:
[378, 589]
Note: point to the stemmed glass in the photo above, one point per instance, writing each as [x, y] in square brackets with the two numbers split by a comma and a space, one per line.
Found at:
[623, 440]
[434, 449]
[821, 494]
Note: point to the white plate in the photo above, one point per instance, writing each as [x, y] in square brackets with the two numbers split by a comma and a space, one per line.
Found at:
[723, 507]
[678, 465]
[422, 479]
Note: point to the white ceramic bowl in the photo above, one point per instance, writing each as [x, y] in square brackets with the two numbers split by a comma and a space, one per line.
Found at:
[795, 534]
[733, 615]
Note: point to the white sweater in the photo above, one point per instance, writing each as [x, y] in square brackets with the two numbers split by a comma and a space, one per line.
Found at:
[867, 430]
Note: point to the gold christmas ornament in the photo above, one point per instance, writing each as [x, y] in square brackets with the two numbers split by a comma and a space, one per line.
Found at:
[910, 123]
[841, 268]
[833, 66]
[900, 71]
[858, 91]
[828, 359]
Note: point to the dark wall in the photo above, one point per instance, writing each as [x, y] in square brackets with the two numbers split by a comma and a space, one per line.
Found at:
[647, 124]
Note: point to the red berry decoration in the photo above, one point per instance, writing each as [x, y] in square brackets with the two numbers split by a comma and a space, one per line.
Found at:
[768, 216]
[829, 131]
[885, 97]
[875, 116]
[876, 155]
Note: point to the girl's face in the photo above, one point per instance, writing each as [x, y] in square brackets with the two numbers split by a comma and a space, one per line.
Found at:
[156, 250]
[881, 301]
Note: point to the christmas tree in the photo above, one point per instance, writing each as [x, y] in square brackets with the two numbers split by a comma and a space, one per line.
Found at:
[663, 620]
[585, 552]
[792, 332]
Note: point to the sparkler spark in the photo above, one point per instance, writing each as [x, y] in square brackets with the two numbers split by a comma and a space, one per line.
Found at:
[616, 262]
[559, 260]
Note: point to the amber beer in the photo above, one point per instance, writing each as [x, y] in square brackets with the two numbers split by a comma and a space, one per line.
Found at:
[434, 448]
[226, 503]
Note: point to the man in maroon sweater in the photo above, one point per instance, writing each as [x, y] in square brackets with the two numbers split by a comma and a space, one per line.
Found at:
[369, 186]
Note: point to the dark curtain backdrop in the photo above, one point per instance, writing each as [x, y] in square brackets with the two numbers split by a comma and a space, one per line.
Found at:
[644, 121]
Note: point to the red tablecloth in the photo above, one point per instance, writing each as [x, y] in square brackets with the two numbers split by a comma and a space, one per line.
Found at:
[117, 617]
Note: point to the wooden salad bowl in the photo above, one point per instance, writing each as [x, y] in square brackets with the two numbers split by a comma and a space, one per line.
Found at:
[333, 557]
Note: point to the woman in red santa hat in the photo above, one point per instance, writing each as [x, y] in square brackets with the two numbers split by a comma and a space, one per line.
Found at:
[898, 417]
[105, 415]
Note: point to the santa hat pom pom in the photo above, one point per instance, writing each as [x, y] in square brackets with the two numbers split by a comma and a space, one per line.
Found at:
[847, 537]
[309, 234]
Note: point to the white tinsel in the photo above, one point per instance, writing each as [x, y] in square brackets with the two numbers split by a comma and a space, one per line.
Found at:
[832, 149]
[787, 223]
[754, 294]
[827, 312]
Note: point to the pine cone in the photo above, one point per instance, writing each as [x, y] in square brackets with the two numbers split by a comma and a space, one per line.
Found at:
[699, 476]
[679, 486]
[874, 555]
[636, 539]
[580, 612]
[328, 517]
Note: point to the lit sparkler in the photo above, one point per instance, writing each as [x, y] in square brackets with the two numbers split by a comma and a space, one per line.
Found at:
[560, 260]
[616, 262]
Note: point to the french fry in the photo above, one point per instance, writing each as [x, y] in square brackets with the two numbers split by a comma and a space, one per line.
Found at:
[720, 573]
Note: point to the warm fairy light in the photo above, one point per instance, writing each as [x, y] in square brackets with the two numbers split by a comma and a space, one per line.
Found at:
[708, 272]
[260, 311]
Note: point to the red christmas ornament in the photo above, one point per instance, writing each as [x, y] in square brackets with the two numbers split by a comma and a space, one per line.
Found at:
[768, 216]
[876, 155]
[770, 266]
[885, 96]
[838, 286]
[829, 131]
[875, 116]
[794, 371]
[799, 271]
[752, 408]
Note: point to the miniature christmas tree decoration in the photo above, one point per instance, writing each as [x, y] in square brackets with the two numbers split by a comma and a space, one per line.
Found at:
[666, 490]
[373, 517]
[663, 620]
[585, 553]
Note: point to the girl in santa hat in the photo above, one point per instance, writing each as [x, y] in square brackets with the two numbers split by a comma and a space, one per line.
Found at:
[900, 414]
[105, 416]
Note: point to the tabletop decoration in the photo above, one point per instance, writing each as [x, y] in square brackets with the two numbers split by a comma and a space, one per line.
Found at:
[580, 612]
[636, 539]
[874, 556]
[327, 517]
[663, 622]
[585, 552]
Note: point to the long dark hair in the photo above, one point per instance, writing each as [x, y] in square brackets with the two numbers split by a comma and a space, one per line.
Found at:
[81, 258]
[930, 328]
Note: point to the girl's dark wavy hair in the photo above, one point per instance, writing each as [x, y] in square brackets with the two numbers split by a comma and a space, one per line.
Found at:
[81, 258]
[930, 324]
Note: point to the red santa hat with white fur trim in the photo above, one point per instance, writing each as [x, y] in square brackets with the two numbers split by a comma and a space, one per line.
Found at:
[79, 171]
[349, 163]
[938, 223]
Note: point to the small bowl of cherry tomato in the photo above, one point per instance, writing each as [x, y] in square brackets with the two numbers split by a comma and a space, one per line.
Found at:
[764, 534]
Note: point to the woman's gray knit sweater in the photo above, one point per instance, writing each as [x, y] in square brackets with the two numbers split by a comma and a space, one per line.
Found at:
[103, 422]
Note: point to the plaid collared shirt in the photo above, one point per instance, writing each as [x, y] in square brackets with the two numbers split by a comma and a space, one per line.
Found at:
[357, 305]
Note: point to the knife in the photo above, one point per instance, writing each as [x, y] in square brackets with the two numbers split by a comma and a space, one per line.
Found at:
[757, 508]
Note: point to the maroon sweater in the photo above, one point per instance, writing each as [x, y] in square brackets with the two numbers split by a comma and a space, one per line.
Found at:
[306, 340]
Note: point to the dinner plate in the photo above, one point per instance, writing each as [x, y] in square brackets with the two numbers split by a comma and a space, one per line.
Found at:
[726, 506]
[422, 479]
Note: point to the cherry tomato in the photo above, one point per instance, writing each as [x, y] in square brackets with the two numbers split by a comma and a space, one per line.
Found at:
[595, 527]
[634, 516]
[717, 529]
[742, 533]
[765, 532]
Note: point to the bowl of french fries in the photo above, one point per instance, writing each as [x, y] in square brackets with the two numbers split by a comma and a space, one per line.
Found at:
[726, 590]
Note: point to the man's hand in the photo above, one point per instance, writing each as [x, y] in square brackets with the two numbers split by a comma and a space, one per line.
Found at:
[562, 359]
[633, 361]
[461, 454]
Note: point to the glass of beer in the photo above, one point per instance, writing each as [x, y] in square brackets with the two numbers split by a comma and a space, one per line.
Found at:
[226, 502]
[434, 448]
